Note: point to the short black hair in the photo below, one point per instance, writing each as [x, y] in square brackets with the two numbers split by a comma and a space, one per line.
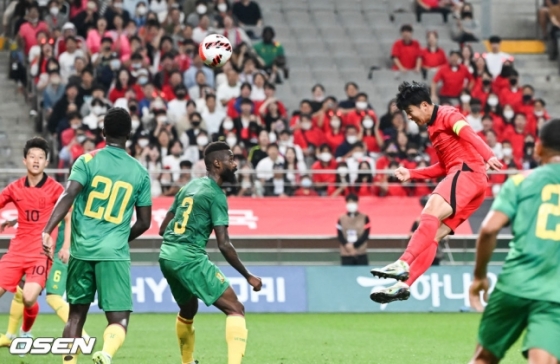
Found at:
[272, 145]
[246, 84]
[36, 142]
[212, 150]
[117, 123]
[348, 84]
[456, 52]
[318, 85]
[106, 39]
[495, 39]
[412, 94]
[362, 94]
[351, 197]
[186, 164]
[74, 115]
[550, 135]
[406, 28]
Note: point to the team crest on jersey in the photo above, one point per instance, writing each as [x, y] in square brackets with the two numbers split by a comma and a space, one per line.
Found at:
[220, 277]
[42, 203]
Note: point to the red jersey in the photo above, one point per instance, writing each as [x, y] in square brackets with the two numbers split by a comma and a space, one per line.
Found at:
[455, 143]
[34, 206]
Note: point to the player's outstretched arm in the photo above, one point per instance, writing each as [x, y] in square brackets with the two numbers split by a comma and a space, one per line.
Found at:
[433, 171]
[465, 132]
[64, 253]
[168, 217]
[143, 222]
[228, 251]
[485, 245]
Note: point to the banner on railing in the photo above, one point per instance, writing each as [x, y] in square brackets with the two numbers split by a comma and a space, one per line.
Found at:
[303, 217]
[310, 289]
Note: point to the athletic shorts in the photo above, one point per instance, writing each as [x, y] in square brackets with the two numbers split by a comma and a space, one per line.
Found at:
[507, 316]
[198, 278]
[56, 283]
[14, 267]
[465, 191]
[109, 278]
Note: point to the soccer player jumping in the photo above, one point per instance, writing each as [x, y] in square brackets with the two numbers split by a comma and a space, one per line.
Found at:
[526, 296]
[199, 208]
[105, 187]
[34, 197]
[463, 160]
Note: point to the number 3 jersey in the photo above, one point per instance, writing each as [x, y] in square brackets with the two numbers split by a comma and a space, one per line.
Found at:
[531, 201]
[198, 207]
[113, 184]
[34, 206]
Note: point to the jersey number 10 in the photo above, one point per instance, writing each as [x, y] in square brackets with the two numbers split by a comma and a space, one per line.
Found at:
[110, 192]
[180, 228]
[545, 210]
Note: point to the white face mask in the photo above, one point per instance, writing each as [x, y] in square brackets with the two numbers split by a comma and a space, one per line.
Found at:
[142, 10]
[75, 126]
[98, 110]
[143, 143]
[222, 7]
[128, 143]
[54, 11]
[508, 114]
[367, 123]
[306, 183]
[335, 123]
[101, 124]
[228, 124]
[539, 113]
[272, 137]
[508, 152]
[492, 101]
[306, 125]
[202, 140]
[162, 119]
[352, 207]
[351, 139]
[81, 138]
[201, 9]
[343, 171]
[465, 99]
[231, 141]
[135, 124]
[246, 184]
[325, 157]
[358, 155]
[115, 64]
[361, 105]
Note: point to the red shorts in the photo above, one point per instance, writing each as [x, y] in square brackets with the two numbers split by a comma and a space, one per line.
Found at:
[14, 267]
[465, 191]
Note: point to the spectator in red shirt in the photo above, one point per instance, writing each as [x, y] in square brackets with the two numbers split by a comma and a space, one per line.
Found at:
[406, 52]
[322, 117]
[325, 162]
[422, 187]
[502, 81]
[306, 188]
[515, 134]
[362, 110]
[372, 136]
[124, 83]
[512, 95]
[487, 125]
[432, 56]
[305, 108]
[482, 88]
[454, 78]
[391, 185]
[28, 31]
[363, 186]
[334, 136]
[342, 181]
[508, 160]
[308, 136]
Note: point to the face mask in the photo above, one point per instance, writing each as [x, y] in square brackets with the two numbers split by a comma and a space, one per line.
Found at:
[54, 11]
[306, 125]
[361, 105]
[201, 9]
[343, 171]
[222, 8]
[55, 81]
[465, 99]
[142, 10]
[306, 183]
[358, 155]
[539, 113]
[136, 66]
[162, 119]
[493, 101]
[143, 143]
[135, 124]
[228, 125]
[351, 139]
[476, 109]
[195, 123]
[98, 110]
[513, 81]
[118, 5]
[75, 126]
[486, 82]
[33, 20]
[325, 157]
[81, 138]
[391, 154]
[142, 80]
[352, 207]
[319, 98]
[231, 141]
[181, 95]
[272, 137]
[367, 123]
[335, 123]
[508, 114]
[115, 64]
[201, 141]
[508, 152]
[246, 184]
[527, 98]
[101, 124]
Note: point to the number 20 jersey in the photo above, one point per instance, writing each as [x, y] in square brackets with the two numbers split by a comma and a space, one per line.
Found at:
[113, 184]
[531, 201]
[34, 206]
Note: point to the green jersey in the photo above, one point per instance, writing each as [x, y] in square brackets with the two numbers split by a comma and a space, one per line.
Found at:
[113, 184]
[198, 207]
[531, 201]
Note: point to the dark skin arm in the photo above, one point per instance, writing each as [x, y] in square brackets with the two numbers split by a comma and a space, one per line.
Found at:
[228, 251]
[143, 222]
[170, 215]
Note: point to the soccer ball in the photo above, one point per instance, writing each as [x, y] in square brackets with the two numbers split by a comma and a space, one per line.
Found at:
[215, 50]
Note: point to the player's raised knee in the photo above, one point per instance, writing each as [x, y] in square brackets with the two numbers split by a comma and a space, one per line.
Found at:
[438, 207]
[29, 299]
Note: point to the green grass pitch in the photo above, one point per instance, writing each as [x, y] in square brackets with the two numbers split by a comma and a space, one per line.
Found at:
[290, 339]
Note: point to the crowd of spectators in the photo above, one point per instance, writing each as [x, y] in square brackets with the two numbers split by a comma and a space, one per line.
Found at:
[87, 56]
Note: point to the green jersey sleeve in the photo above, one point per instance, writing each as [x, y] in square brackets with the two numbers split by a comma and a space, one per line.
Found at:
[145, 192]
[79, 171]
[219, 211]
[506, 202]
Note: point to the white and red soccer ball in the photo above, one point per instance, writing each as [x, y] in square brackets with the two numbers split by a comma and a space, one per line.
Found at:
[215, 50]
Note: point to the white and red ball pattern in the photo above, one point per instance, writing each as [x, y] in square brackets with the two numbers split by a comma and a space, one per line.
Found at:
[215, 50]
